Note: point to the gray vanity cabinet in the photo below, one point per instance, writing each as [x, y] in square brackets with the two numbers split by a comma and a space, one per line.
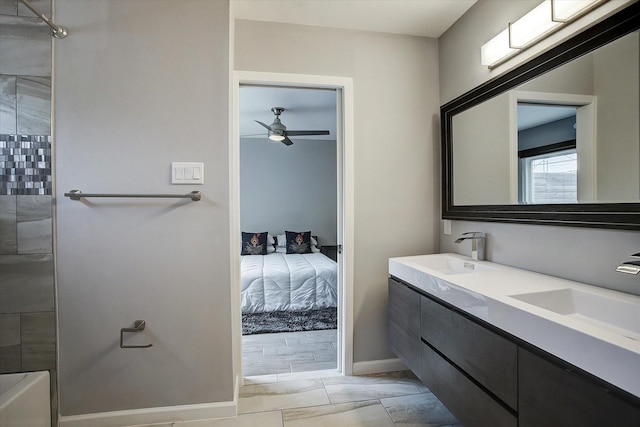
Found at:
[486, 377]
[404, 324]
[463, 396]
[472, 370]
[557, 397]
[488, 358]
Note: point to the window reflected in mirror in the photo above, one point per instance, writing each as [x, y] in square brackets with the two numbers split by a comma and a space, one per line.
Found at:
[548, 159]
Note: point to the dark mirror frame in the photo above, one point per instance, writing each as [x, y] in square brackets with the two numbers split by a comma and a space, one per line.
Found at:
[596, 215]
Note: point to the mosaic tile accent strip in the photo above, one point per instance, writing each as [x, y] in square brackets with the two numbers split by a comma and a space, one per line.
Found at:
[25, 165]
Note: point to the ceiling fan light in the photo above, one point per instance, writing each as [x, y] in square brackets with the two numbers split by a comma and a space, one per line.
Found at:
[276, 137]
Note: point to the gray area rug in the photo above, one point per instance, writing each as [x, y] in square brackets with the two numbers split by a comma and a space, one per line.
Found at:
[289, 321]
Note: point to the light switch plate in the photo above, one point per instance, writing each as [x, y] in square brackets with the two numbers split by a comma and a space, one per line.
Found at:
[187, 173]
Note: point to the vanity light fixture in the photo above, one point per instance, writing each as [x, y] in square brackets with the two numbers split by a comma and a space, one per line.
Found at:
[545, 19]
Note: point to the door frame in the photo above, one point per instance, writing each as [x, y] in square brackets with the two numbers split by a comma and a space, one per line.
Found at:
[345, 153]
[586, 139]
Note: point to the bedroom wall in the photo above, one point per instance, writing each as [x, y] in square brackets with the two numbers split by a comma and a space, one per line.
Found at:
[582, 254]
[129, 98]
[289, 187]
[396, 150]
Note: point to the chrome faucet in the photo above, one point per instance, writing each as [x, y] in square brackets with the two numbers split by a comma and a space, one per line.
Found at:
[630, 267]
[477, 244]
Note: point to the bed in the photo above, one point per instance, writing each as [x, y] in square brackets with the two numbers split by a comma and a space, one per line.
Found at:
[288, 282]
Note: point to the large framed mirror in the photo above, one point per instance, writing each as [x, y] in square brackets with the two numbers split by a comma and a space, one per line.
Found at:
[555, 141]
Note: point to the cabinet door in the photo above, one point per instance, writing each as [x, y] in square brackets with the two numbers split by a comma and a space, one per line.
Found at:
[551, 396]
[404, 324]
[466, 401]
[487, 357]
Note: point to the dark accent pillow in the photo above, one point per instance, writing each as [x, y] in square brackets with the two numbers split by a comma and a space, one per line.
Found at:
[254, 243]
[298, 243]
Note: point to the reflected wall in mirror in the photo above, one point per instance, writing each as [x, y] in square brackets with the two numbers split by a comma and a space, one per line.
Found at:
[556, 140]
[600, 90]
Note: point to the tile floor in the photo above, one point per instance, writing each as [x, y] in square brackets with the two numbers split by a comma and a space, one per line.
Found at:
[289, 352]
[291, 380]
[326, 398]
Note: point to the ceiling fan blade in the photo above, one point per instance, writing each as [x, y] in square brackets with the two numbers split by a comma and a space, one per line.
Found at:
[287, 141]
[307, 132]
[266, 126]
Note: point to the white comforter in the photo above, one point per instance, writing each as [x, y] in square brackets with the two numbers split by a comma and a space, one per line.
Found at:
[293, 282]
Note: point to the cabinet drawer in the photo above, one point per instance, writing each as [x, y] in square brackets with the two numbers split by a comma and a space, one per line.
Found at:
[551, 396]
[466, 401]
[487, 357]
[404, 324]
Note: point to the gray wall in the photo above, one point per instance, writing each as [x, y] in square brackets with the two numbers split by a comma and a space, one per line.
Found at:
[133, 94]
[396, 166]
[546, 134]
[586, 255]
[289, 187]
[27, 294]
[484, 170]
[617, 86]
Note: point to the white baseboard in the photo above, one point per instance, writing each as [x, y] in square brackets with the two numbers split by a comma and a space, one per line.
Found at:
[169, 414]
[378, 366]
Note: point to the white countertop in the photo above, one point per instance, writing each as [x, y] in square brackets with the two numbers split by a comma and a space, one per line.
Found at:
[486, 294]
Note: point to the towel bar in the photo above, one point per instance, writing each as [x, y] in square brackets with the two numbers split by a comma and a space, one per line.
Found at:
[77, 195]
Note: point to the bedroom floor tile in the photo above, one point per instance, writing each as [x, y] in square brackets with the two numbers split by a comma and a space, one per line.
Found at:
[329, 335]
[311, 366]
[289, 352]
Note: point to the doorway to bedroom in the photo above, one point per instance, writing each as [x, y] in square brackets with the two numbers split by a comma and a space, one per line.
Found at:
[289, 197]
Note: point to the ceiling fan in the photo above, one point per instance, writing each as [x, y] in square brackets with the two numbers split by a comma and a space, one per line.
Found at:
[279, 132]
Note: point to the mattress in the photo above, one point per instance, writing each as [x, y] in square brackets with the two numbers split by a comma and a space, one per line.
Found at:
[288, 282]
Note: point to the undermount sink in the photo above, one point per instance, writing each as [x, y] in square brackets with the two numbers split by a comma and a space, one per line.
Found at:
[605, 312]
[447, 264]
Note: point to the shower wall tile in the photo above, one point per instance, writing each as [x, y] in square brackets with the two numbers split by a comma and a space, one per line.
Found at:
[33, 96]
[43, 6]
[10, 359]
[14, 7]
[34, 225]
[25, 46]
[8, 225]
[9, 330]
[8, 7]
[8, 110]
[26, 283]
[38, 336]
[25, 165]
